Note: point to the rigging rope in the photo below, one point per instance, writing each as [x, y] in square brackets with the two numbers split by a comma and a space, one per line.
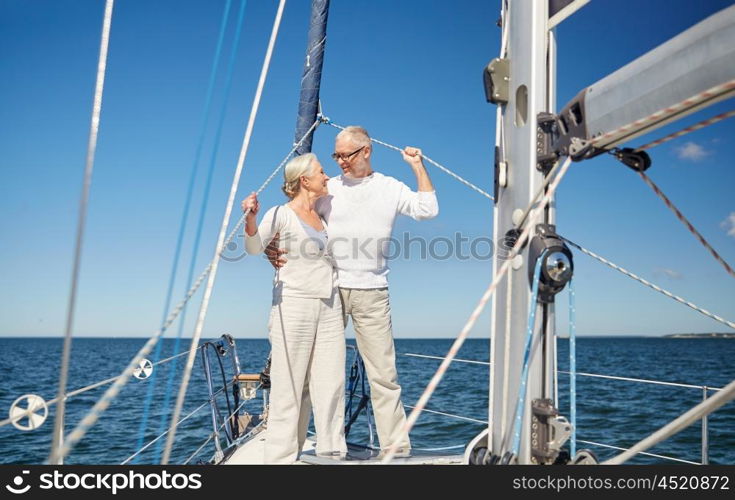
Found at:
[55, 457]
[182, 225]
[357, 372]
[196, 452]
[458, 417]
[192, 413]
[645, 381]
[146, 446]
[112, 379]
[540, 191]
[102, 404]
[221, 238]
[641, 452]
[536, 211]
[506, 359]
[212, 435]
[572, 368]
[663, 114]
[583, 374]
[530, 330]
[456, 360]
[202, 210]
[696, 126]
[665, 199]
[213, 265]
[651, 285]
[499, 140]
[686, 223]
[429, 160]
[683, 421]
[260, 189]
[81, 390]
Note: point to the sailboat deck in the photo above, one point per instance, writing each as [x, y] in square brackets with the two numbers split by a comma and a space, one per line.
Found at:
[251, 453]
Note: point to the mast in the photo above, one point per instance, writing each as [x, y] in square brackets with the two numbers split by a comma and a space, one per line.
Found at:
[527, 94]
[523, 84]
[692, 70]
[312, 76]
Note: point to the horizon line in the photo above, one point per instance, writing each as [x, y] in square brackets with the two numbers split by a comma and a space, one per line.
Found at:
[566, 337]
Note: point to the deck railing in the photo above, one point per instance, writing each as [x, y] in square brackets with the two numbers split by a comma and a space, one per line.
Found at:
[705, 394]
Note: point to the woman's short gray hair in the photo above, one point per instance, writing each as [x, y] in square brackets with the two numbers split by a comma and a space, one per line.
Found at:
[358, 135]
[295, 168]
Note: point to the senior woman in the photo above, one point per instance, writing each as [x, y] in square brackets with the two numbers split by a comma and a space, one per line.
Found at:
[306, 329]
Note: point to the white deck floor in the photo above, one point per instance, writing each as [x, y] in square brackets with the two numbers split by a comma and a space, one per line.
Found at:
[251, 453]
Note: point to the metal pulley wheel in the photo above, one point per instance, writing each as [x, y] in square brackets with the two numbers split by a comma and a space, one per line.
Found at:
[557, 264]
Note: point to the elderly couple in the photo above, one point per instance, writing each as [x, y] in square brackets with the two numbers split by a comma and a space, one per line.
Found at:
[335, 232]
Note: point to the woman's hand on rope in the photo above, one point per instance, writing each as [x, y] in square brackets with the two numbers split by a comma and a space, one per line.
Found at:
[251, 203]
[250, 206]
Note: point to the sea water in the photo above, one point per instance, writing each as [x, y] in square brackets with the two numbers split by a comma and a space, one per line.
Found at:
[609, 412]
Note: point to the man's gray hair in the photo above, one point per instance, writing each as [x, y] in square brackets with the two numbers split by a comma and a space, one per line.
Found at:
[358, 135]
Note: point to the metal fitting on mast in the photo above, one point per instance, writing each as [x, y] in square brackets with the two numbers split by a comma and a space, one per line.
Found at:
[557, 266]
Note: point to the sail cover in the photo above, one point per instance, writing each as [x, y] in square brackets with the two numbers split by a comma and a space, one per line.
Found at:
[311, 79]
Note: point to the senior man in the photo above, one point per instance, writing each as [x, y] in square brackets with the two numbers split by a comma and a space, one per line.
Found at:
[360, 211]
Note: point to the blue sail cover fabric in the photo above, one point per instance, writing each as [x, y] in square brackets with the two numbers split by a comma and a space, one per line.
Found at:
[311, 79]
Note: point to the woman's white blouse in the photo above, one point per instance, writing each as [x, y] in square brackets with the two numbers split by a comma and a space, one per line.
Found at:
[309, 271]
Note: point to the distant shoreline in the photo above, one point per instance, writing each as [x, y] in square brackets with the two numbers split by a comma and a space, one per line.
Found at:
[700, 336]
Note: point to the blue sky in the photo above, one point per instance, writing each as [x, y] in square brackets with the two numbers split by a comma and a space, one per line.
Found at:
[408, 71]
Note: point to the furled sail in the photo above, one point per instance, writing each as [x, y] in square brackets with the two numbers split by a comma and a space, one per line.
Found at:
[311, 79]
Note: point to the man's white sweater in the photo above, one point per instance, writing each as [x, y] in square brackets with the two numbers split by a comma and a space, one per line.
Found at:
[361, 214]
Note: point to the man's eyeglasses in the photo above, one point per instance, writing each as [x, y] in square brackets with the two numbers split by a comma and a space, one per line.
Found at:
[346, 157]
